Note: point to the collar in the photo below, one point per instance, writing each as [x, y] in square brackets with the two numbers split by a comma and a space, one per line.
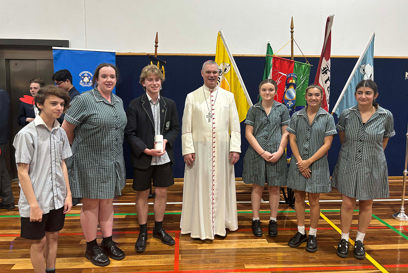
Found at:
[208, 89]
[380, 110]
[98, 97]
[259, 104]
[151, 100]
[73, 89]
[39, 121]
[302, 112]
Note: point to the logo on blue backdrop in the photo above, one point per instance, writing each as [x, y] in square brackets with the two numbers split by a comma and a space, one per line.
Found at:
[86, 79]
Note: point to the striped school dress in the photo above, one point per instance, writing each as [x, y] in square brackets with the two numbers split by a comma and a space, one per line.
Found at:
[268, 132]
[361, 171]
[309, 139]
[97, 168]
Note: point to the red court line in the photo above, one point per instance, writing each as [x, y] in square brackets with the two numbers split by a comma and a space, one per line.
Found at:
[177, 253]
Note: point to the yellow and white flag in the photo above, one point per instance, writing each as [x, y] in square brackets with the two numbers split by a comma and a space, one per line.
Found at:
[229, 77]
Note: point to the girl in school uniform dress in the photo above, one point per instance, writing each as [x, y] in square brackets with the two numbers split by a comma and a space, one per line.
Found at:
[311, 132]
[265, 160]
[361, 171]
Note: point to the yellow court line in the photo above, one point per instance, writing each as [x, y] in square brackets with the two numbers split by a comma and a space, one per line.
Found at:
[371, 259]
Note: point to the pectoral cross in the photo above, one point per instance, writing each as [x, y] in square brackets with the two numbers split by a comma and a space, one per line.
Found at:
[209, 117]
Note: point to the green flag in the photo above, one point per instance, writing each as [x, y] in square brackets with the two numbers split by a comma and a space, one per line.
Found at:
[302, 71]
[268, 62]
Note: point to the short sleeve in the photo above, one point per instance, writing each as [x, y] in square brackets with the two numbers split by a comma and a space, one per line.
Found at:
[285, 118]
[330, 126]
[250, 118]
[66, 148]
[389, 126]
[341, 123]
[292, 124]
[77, 113]
[24, 145]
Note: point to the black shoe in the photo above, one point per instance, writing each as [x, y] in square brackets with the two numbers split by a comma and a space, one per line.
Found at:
[273, 229]
[140, 245]
[222, 237]
[311, 245]
[76, 201]
[8, 206]
[359, 250]
[297, 240]
[97, 257]
[256, 228]
[112, 250]
[343, 248]
[164, 237]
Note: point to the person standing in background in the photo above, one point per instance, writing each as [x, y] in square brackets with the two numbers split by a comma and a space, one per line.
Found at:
[28, 112]
[6, 193]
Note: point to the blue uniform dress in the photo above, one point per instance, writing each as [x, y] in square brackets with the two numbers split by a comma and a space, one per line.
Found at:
[309, 139]
[361, 171]
[268, 132]
[97, 168]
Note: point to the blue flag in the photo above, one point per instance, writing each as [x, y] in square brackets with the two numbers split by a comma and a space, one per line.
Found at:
[363, 70]
[81, 64]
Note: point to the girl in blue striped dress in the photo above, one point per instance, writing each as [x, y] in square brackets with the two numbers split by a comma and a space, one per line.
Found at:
[361, 171]
[265, 160]
[311, 132]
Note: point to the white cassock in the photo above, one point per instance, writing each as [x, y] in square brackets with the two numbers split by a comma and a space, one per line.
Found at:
[209, 196]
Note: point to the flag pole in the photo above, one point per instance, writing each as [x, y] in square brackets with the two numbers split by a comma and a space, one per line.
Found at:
[236, 69]
[401, 214]
[292, 26]
[351, 75]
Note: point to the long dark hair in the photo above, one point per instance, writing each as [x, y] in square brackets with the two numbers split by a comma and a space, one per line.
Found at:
[370, 84]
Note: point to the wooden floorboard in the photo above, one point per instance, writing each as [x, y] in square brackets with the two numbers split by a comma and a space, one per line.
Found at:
[386, 240]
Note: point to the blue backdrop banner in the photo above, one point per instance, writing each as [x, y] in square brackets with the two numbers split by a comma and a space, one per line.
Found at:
[81, 64]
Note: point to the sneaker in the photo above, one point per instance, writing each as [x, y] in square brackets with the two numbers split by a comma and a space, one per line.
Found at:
[359, 250]
[343, 248]
[256, 228]
[297, 240]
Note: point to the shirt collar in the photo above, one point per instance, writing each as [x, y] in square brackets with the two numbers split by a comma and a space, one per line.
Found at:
[303, 112]
[151, 100]
[208, 89]
[39, 121]
[98, 97]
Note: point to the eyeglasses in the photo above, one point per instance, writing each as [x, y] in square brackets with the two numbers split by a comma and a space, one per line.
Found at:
[59, 83]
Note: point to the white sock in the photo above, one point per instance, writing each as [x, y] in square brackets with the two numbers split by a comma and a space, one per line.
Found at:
[345, 236]
[360, 236]
[273, 219]
[301, 230]
[254, 218]
[312, 231]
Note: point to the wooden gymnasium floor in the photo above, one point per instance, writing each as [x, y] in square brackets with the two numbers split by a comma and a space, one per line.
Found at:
[386, 240]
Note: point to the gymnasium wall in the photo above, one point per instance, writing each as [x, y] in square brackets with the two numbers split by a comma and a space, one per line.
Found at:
[183, 76]
[191, 27]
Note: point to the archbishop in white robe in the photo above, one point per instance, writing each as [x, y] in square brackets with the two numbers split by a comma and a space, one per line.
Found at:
[209, 195]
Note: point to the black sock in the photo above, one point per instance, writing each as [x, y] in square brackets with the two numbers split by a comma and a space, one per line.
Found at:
[50, 270]
[143, 228]
[107, 240]
[158, 226]
[91, 244]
